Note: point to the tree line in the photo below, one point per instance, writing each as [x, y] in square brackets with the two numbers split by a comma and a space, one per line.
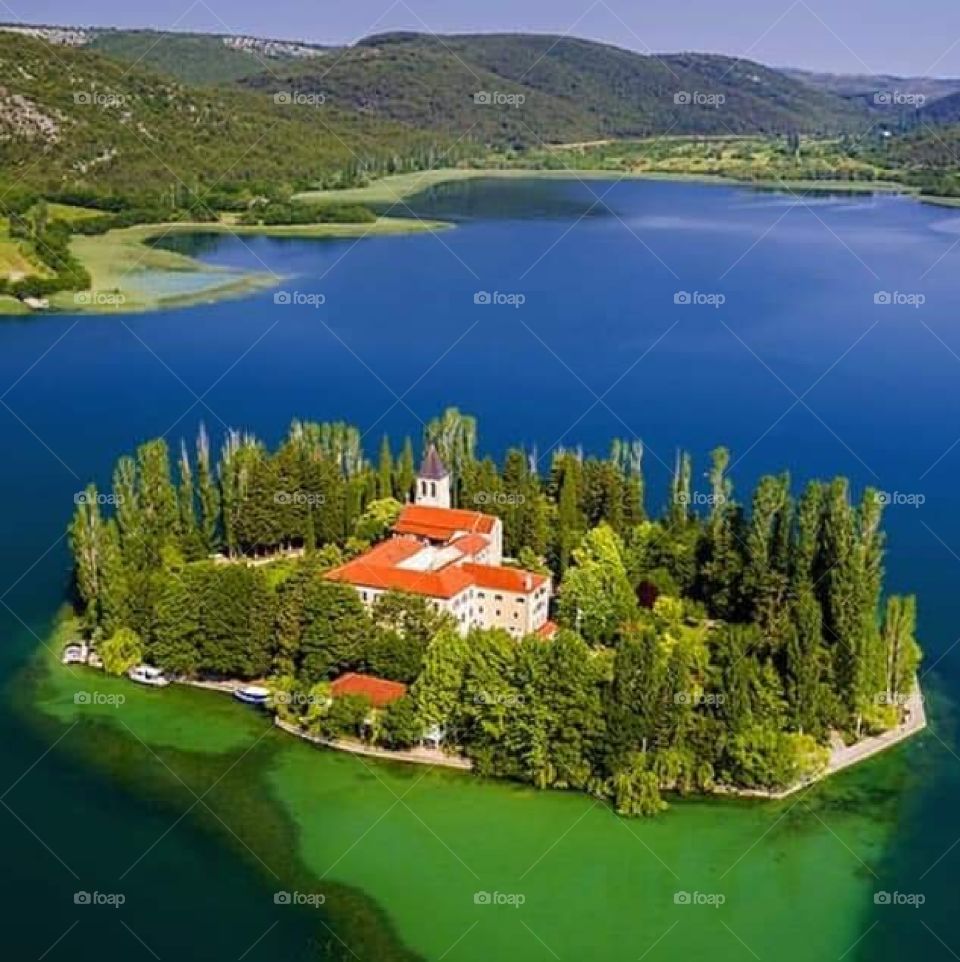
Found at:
[698, 647]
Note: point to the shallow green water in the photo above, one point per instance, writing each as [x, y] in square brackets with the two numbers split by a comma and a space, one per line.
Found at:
[791, 878]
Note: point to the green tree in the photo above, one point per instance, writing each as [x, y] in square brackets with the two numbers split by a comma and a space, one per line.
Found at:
[377, 519]
[385, 470]
[406, 472]
[437, 690]
[595, 596]
[636, 790]
[120, 652]
[335, 628]
[400, 726]
[207, 494]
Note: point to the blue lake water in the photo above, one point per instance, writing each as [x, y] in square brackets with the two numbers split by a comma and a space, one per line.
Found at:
[819, 334]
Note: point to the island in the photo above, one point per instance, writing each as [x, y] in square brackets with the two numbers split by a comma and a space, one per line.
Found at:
[527, 619]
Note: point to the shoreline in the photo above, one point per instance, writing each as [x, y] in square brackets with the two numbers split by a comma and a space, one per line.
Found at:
[120, 257]
[397, 187]
[841, 758]
[847, 756]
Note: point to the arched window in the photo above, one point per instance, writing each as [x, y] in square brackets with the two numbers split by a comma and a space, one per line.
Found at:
[433, 489]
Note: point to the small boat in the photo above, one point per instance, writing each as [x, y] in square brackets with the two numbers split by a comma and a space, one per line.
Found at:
[253, 695]
[74, 654]
[148, 675]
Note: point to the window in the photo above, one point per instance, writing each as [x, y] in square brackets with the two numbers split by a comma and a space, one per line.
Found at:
[433, 489]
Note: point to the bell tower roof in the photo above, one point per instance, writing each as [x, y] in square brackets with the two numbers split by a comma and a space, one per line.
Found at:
[432, 468]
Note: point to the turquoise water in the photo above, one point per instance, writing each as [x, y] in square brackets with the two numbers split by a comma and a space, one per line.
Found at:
[800, 366]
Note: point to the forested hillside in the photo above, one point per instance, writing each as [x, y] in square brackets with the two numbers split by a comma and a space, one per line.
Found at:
[573, 89]
[73, 120]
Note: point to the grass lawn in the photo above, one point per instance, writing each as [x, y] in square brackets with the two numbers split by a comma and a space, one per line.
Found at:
[70, 213]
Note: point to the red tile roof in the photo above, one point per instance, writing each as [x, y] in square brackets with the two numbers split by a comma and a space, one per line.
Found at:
[470, 544]
[504, 579]
[441, 524]
[378, 569]
[547, 630]
[380, 691]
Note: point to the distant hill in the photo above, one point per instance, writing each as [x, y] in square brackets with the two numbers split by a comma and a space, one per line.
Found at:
[946, 110]
[197, 58]
[900, 102]
[194, 58]
[71, 118]
[427, 88]
[572, 89]
[864, 86]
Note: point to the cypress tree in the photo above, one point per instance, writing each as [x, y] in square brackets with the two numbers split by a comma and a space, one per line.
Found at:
[385, 470]
[406, 472]
[157, 498]
[191, 541]
[207, 494]
[721, 564]
[680, 491]
[114, 595]
[85, 537]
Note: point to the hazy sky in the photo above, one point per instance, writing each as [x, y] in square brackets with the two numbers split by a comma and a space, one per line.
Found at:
[853, 36]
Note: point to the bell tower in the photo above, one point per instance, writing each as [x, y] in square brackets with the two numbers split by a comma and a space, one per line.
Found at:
[433, 481]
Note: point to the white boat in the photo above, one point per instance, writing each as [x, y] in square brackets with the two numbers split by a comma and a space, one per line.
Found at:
[253, 695]
[74, 654]
[148, 675]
